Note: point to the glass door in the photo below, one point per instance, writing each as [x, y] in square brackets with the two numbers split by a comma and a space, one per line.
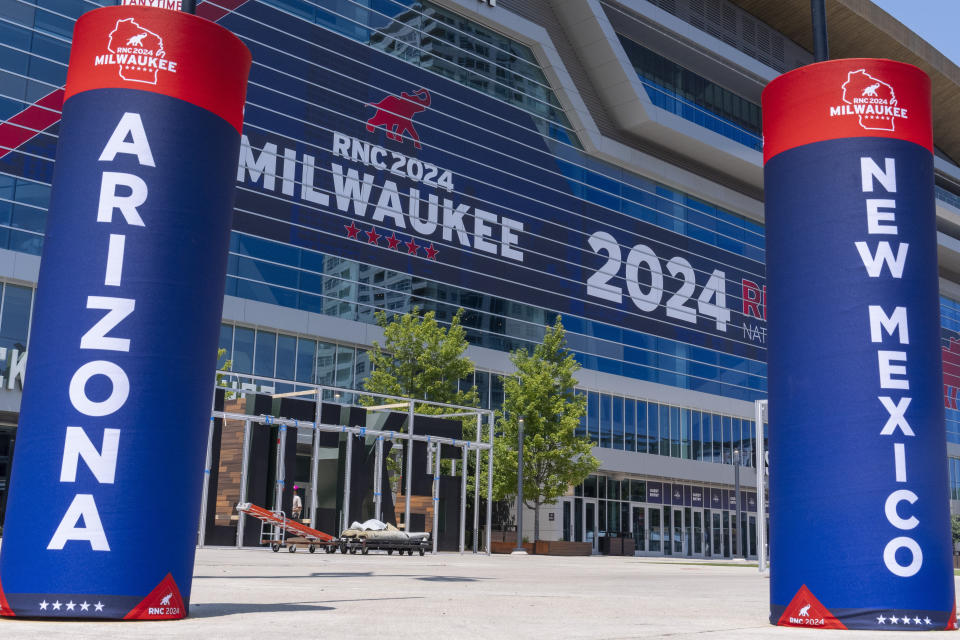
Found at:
[678, 531]
[639, 525]
[697, 532]
[653, 528]
[752, 538]
[590, 522]
[578, 519]
[668, 531]
[707, 534]
[717, 535]
[726, 534]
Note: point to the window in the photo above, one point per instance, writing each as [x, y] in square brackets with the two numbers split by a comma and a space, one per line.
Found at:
[581, 431]
[707, 429]
[605, 421]
[306, 354]
[653, 427]
[618, 426]
[665, 436]
[326, 362]
[693, 97]
[265, 354]
[243, 339]
[697, 450]
[643, 442]
[345, 357]
[225, 344]
[675, 439]
[593, 417]
[286, 357]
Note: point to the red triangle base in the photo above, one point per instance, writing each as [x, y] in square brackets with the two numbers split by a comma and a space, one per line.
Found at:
[163, 603]
[5, 609]
[952, 623]
[806, 611]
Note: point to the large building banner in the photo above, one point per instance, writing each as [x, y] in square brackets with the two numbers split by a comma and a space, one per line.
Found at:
[105, 495]
[859, 512]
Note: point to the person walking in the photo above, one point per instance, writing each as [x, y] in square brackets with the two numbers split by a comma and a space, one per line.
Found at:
[297, 505]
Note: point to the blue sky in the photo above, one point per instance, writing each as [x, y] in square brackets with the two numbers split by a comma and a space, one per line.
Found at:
[936, 21]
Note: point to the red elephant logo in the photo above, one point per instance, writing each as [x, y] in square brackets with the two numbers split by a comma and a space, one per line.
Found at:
[395, 113]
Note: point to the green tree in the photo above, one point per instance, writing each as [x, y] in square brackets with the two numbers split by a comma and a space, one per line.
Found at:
[421, 359]
[554, 457]
[955, 527]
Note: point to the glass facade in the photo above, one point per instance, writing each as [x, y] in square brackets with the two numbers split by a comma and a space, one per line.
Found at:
[34, 49]
[693, 97]
[429, 36]
[611, 421]
[646, 426]
[661, 518]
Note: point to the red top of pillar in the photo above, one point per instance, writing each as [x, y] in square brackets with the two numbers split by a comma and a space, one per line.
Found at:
[161, 51]
[852, 98]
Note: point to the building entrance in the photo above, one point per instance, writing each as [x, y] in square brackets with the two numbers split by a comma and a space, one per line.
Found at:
[662, 520]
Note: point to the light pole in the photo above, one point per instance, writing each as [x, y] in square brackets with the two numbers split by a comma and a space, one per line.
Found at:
[736, 488]
[519, 548]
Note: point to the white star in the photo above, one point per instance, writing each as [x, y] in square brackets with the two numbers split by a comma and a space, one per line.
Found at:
[917, 620]
[894, 619]
[905, 619]
[881, 619]
[56, 605]
[84, 605]
[98, 606]
[43, 605]
[927, 621]
[70, 605]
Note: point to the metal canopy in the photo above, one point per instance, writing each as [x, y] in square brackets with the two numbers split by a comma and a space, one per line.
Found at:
[317, 426]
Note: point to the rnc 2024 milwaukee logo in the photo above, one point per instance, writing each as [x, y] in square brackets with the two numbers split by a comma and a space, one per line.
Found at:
[873, 101]
[137, 53]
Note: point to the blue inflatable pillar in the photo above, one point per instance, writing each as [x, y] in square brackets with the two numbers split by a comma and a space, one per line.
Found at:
[105, 494]
[859, 505]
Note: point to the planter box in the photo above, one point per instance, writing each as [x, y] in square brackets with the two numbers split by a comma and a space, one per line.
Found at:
[545, 548]
[563, 548]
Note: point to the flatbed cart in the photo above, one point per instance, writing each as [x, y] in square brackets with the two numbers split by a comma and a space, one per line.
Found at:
[279, 531]
[365, 545]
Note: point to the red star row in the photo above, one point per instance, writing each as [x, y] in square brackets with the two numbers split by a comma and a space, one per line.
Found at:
[393, 242]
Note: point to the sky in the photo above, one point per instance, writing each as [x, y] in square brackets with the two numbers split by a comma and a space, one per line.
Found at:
[936, 21]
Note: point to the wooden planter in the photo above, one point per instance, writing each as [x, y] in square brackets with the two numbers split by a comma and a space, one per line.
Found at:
[545, 548]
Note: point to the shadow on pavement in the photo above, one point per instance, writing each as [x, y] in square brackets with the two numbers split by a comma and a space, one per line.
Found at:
[219, 609]
[216, 609]
[351, 574]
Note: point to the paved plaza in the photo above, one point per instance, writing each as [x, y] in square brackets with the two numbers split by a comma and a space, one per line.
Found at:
[260, 594]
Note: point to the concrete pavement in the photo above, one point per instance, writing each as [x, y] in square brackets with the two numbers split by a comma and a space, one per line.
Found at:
[260, 594]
